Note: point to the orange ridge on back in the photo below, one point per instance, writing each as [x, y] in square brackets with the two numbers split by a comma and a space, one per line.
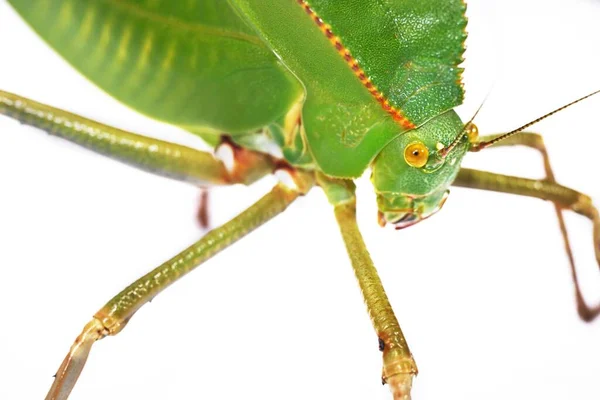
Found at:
[358, 71]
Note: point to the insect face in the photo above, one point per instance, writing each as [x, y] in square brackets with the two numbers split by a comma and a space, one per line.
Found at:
[413, 187]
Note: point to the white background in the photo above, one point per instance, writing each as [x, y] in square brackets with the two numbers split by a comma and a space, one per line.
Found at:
[482, 290]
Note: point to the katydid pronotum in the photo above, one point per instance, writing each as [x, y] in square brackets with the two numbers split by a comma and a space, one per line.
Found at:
[480, 312]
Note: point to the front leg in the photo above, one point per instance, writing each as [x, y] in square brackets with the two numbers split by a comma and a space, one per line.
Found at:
[564, 199]
[399, 367]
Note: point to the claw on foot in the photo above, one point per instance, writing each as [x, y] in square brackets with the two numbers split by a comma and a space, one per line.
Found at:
[73, 364]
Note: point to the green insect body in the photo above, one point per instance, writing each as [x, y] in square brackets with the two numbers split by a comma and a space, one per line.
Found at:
[317, 90]
[297, 84]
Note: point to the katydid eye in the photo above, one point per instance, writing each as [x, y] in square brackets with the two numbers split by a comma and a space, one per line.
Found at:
[416, 154]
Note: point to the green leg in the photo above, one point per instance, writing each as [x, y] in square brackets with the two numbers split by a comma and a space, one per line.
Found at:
[536, 141]
[563, 198]
[152, 155]
[399, 367]
[113, 317]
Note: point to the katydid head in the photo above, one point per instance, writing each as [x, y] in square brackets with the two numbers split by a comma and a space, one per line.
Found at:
[412, 174]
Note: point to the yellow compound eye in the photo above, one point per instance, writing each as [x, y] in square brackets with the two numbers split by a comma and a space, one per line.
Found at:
[416, 154]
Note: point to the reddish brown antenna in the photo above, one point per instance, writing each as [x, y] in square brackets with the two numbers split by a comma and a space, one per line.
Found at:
[482, 145]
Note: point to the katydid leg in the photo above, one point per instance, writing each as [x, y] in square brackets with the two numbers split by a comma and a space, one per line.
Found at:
[113, 317]
[536, 141]
[564, 199]
[399, 367]
[203, 215]
[149, 154]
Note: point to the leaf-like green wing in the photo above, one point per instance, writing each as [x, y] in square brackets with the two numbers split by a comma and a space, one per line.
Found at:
[195, 64]
[199, 65]
[410, 49]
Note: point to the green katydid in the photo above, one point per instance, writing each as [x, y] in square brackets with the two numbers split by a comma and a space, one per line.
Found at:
[394, 217]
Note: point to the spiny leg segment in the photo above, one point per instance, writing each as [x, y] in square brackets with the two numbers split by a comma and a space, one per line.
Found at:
[563, 198]
[399, 367]
[113, 317]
